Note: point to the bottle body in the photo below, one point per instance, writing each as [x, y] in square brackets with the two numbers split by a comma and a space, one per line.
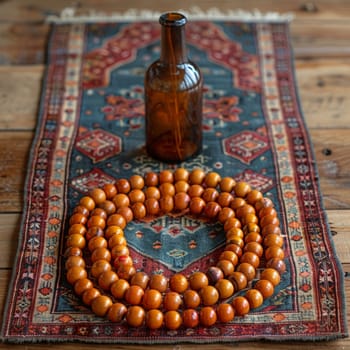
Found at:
[173, 101]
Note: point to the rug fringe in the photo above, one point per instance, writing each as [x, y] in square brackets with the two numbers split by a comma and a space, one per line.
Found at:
[75, 15]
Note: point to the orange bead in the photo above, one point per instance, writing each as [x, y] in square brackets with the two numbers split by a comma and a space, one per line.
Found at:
[74, 261]
[234, 231]
[76, 240]
[167, 189]
[181, 186]
[252, 237]
[139, 210]
[210, 194]
[198, 280]
[101, 304]
[117, 312]
[152, 192]
[108, 206]
[270, 228]
[277, 264]
[126, 271]
[158, 282]
[249, 219]
[113, 229]
[121, 200]
[73, 251]
[225, 312]
[241, 306]
[225, 288]
[89, 295]
[110, 190]
[225, 214]
[244, 210]
[137, 182]
[273, 239]
[265, 287]
[94, 231]
[117, 239]
[154, 319]
[212, 210]
[166, 204]
[181, 174]
[197, 205]
[97, 242]
[254, 297]
[106, 279]
[269, 220]
[209, 295]
[100, 266]
[231, 222]
[141, 279]
[254, 196]
[242, 189]
[234, 248]
[136, 196]
[122, 260]
[239, 280]
[271, 275]
[151, 179]
[235, 240]
[274, 251]
[227, 184]
[230, 256]
[267, 211]
[172, 301]
[134, 294]
[181, 200]
[226, 266]
[250, 258]
[78, 229]
[172, 320]
[77, 218]
[116, 220]
[214, 274]
[119, 287]
[166, 176]
[96, 221]
[80, 286]
[135, 316]
[196, 177]
[191, 299]
[87, 202]
[190, 318]
[119, 250]
[152, 206]
[225, 199]
[247, 269]
[152, 299]
[207, 316]
[263, 203]
[82, 210]
[101, 254]
[178, 283]
[195, 191]
[237, 202]
[251, 227]
[76, 273]
[212, 179]
[98, 195]
[123, 186]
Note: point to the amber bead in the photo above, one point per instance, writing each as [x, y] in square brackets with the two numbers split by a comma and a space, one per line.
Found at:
[254, 196]
[172, 301]
[121, 200]
[167, 189]
[214, 274]
[154, 319]
[94, 231]
[136, 182]
[212, 179]
[209, 295]
[108, 206]
[151, 179]
[139, 210]
[244, 210]
[250, 258]
[77, 228]
[123, 186]
[277, 264]
[80, 286]
[117, 239]
[235, 240]
[74, 261]
[158, 282]
[122, 260]
[230, 256]
[263, 203]
[273, 239]
[101, 253]
[106, 279]
[181, 186]
[196, 177]
[254, 297]
[237, 202]
[152, 206]
[73, 251]
[119, 287]
[225, 199]
[135, 316]
[82, 210]
[207, 316]
[247, 269]
[198, 280]
[172, 320]
[152, 299]
[226, 266]
[210, 194]
[126, 213]
[190, 318]
[231, 222]
[140, 279]
[265, 287]
[234, 248]
[225, 312]
[136, 195]
[96, 221]
[191, 299]
[269, 220]
[181, 174]
[227, 184]
[255, 248]
[110, 190]
[178, 283]
[249, 219]
[89, 295]
[113, 229]
[234, 231]
[100, 266]
[267, 211]
[166, 176]
[76, 273]
[119, 250]
[252, 237]
[97, 242]
[225, 288]
[78, 218]
[271, 275]
[251, 227]
[116, 220]
[212, 210]
[126, 271]
[242, 189]
[99, 212]
[98, 195]
[101, 304]
[166, 204]
[76, 240]
[181, 200]
[241, 306]
[117, 312]
[225, 213]
[195, 191]
[88, 203]
[152, 192]
[197, 205]
[274, 251]
[134, 294]
[239, 280]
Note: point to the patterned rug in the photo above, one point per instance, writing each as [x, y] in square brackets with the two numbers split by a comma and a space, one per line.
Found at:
[91, 131]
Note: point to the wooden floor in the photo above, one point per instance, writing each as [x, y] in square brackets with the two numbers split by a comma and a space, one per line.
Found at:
[321, 37]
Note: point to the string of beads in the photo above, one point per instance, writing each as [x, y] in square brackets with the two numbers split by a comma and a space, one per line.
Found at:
[102, 273]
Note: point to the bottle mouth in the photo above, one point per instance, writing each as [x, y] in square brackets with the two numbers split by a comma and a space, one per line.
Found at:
[172, 19]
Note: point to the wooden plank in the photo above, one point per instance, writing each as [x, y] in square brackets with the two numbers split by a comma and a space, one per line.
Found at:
[19, 97]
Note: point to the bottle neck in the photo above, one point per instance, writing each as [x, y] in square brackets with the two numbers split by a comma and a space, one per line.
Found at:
[173, 42]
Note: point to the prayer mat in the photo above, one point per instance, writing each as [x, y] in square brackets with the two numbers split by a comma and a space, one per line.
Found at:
[91, 131]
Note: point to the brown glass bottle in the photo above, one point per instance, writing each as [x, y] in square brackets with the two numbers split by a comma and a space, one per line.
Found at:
[173, 97]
